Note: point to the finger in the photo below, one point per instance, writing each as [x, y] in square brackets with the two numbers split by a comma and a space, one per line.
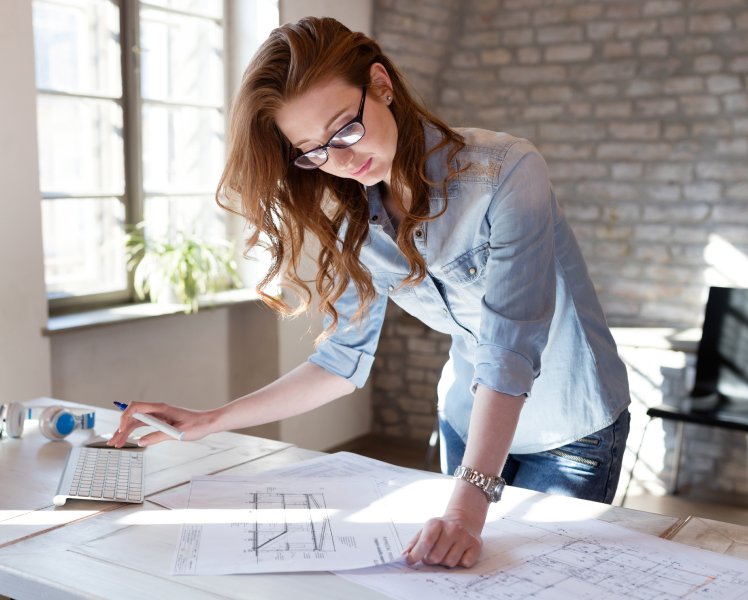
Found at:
[455, 555]
[411, 543]
[470, 556]
[429, 536]
[153, 438]
[442, 547]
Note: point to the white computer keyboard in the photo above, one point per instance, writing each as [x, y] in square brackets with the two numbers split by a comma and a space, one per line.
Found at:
[102, 474]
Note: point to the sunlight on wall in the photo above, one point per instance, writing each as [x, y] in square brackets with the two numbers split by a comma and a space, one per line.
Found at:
[728, 266]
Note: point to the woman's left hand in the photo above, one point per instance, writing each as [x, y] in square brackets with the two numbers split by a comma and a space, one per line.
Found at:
[451, 540]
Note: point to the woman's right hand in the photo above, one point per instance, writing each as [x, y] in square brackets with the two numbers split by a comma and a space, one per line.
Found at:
[195, 424]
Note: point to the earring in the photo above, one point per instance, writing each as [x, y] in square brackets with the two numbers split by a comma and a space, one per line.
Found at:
[388, 98]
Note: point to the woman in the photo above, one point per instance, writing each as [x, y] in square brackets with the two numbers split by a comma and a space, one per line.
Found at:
[461, 229]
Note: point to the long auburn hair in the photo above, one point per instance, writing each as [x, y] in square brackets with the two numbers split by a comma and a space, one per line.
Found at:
[283, 203]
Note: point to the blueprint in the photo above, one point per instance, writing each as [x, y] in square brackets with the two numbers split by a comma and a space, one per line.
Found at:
[246, 525]
[583, 560]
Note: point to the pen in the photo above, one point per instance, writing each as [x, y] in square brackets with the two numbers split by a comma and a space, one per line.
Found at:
[154, 422]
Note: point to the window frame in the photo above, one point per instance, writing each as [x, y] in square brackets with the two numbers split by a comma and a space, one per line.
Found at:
[131, 103]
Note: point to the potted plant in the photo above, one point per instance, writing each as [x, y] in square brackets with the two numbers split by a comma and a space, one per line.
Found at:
[179, 268]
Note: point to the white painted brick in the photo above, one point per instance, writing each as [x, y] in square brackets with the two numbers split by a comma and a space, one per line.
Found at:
[482, 39]
[528, 56]
[551, 93]
[694, 213]
[633, 150]
[577, 170]
[643, 87]
[658, 47]
[547, 16]
[710, 23]
[517, 37]
[554, 35]
[582, 212]
[720, 84]
[601, 90]
[739, 64]
[700, 105]
[627, 170]
[708, 63]
[738, 191]
[721, 171]
[711, 128]
[672, 26]
[646, 233]
[529, 75]
[652, 252]
[705, 191]
[585, 12]
[731, 213]
[683, 85]
[694, 44]
[736, 102]
[669, 192]
[496, 56]
[740, 125]
[465, 59]
[656, 8]
[565, 151]
[543, 112]
[609, 71]
[741, 22]
[568, 53]
[736, 147]
[618, 49]
[608, 190]
[577, 131]
[635, 130]
[675, 131]
[636, 29]
[613, 109]
[671, 172]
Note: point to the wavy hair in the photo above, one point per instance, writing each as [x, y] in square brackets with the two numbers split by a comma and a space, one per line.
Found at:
[282, 203]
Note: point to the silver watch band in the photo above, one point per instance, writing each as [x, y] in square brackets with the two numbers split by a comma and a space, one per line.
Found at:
[491, 485]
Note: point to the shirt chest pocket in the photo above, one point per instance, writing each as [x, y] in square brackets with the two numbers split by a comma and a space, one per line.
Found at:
[469, 267]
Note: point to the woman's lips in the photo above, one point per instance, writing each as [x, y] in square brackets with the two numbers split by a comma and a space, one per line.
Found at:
[362, 169]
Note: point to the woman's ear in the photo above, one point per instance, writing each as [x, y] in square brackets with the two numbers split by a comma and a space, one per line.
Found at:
[381, 84]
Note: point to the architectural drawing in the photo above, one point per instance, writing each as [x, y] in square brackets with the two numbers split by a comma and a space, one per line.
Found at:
[580, 560]
[311, 530]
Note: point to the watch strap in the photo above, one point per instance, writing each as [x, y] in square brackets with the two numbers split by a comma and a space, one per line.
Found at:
[491, 485]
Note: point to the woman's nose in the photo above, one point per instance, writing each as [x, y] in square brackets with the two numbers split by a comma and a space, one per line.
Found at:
[341, 156]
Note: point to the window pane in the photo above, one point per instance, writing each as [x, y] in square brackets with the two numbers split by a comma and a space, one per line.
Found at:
[165, 216]
[181, 58]
[183, 149]
[83, 246]
[211, 8]
[80, 146]
[77, 47]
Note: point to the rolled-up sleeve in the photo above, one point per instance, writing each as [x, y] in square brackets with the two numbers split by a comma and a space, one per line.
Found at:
[520, 296]
[349, 351]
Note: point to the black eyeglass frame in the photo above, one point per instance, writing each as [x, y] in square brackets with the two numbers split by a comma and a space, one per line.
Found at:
[359, 118]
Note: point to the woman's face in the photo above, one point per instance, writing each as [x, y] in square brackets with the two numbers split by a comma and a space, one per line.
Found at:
[309, 121]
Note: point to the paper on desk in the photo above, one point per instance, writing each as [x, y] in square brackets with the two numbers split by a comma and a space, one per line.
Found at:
[261, 525]
[581, 560]
[339, 464]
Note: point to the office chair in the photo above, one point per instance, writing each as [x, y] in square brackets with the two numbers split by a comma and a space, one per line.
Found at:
[719, 397]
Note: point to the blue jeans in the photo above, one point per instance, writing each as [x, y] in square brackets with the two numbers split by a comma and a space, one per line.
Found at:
[588, 468]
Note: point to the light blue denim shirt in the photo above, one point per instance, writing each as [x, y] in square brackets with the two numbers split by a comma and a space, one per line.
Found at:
[507, 281]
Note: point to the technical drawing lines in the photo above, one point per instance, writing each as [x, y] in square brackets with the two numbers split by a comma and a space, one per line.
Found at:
[308, 530]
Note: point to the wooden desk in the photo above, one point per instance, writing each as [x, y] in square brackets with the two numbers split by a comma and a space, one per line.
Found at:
[112, 551]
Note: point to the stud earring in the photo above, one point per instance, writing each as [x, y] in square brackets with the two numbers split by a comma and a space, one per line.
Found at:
[388, 98]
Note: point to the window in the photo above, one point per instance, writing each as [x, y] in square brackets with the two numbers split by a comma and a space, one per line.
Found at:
[131, 118]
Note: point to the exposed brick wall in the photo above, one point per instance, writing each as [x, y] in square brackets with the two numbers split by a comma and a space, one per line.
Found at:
[641, 111]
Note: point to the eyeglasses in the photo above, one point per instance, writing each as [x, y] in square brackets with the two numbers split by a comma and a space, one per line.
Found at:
[346, 136]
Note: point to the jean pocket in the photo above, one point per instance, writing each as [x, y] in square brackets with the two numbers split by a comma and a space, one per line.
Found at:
[589, 462]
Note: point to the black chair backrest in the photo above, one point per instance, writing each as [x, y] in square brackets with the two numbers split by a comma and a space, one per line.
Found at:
[722, 361]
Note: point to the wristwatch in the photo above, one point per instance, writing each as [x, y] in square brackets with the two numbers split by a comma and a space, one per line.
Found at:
[491, 485]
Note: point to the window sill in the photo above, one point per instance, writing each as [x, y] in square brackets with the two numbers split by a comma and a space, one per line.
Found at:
[662, 338]
[144, 310]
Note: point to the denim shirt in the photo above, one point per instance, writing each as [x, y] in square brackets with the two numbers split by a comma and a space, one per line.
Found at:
[507, 281]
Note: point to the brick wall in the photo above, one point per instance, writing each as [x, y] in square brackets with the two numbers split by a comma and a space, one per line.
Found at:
[641, 111]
